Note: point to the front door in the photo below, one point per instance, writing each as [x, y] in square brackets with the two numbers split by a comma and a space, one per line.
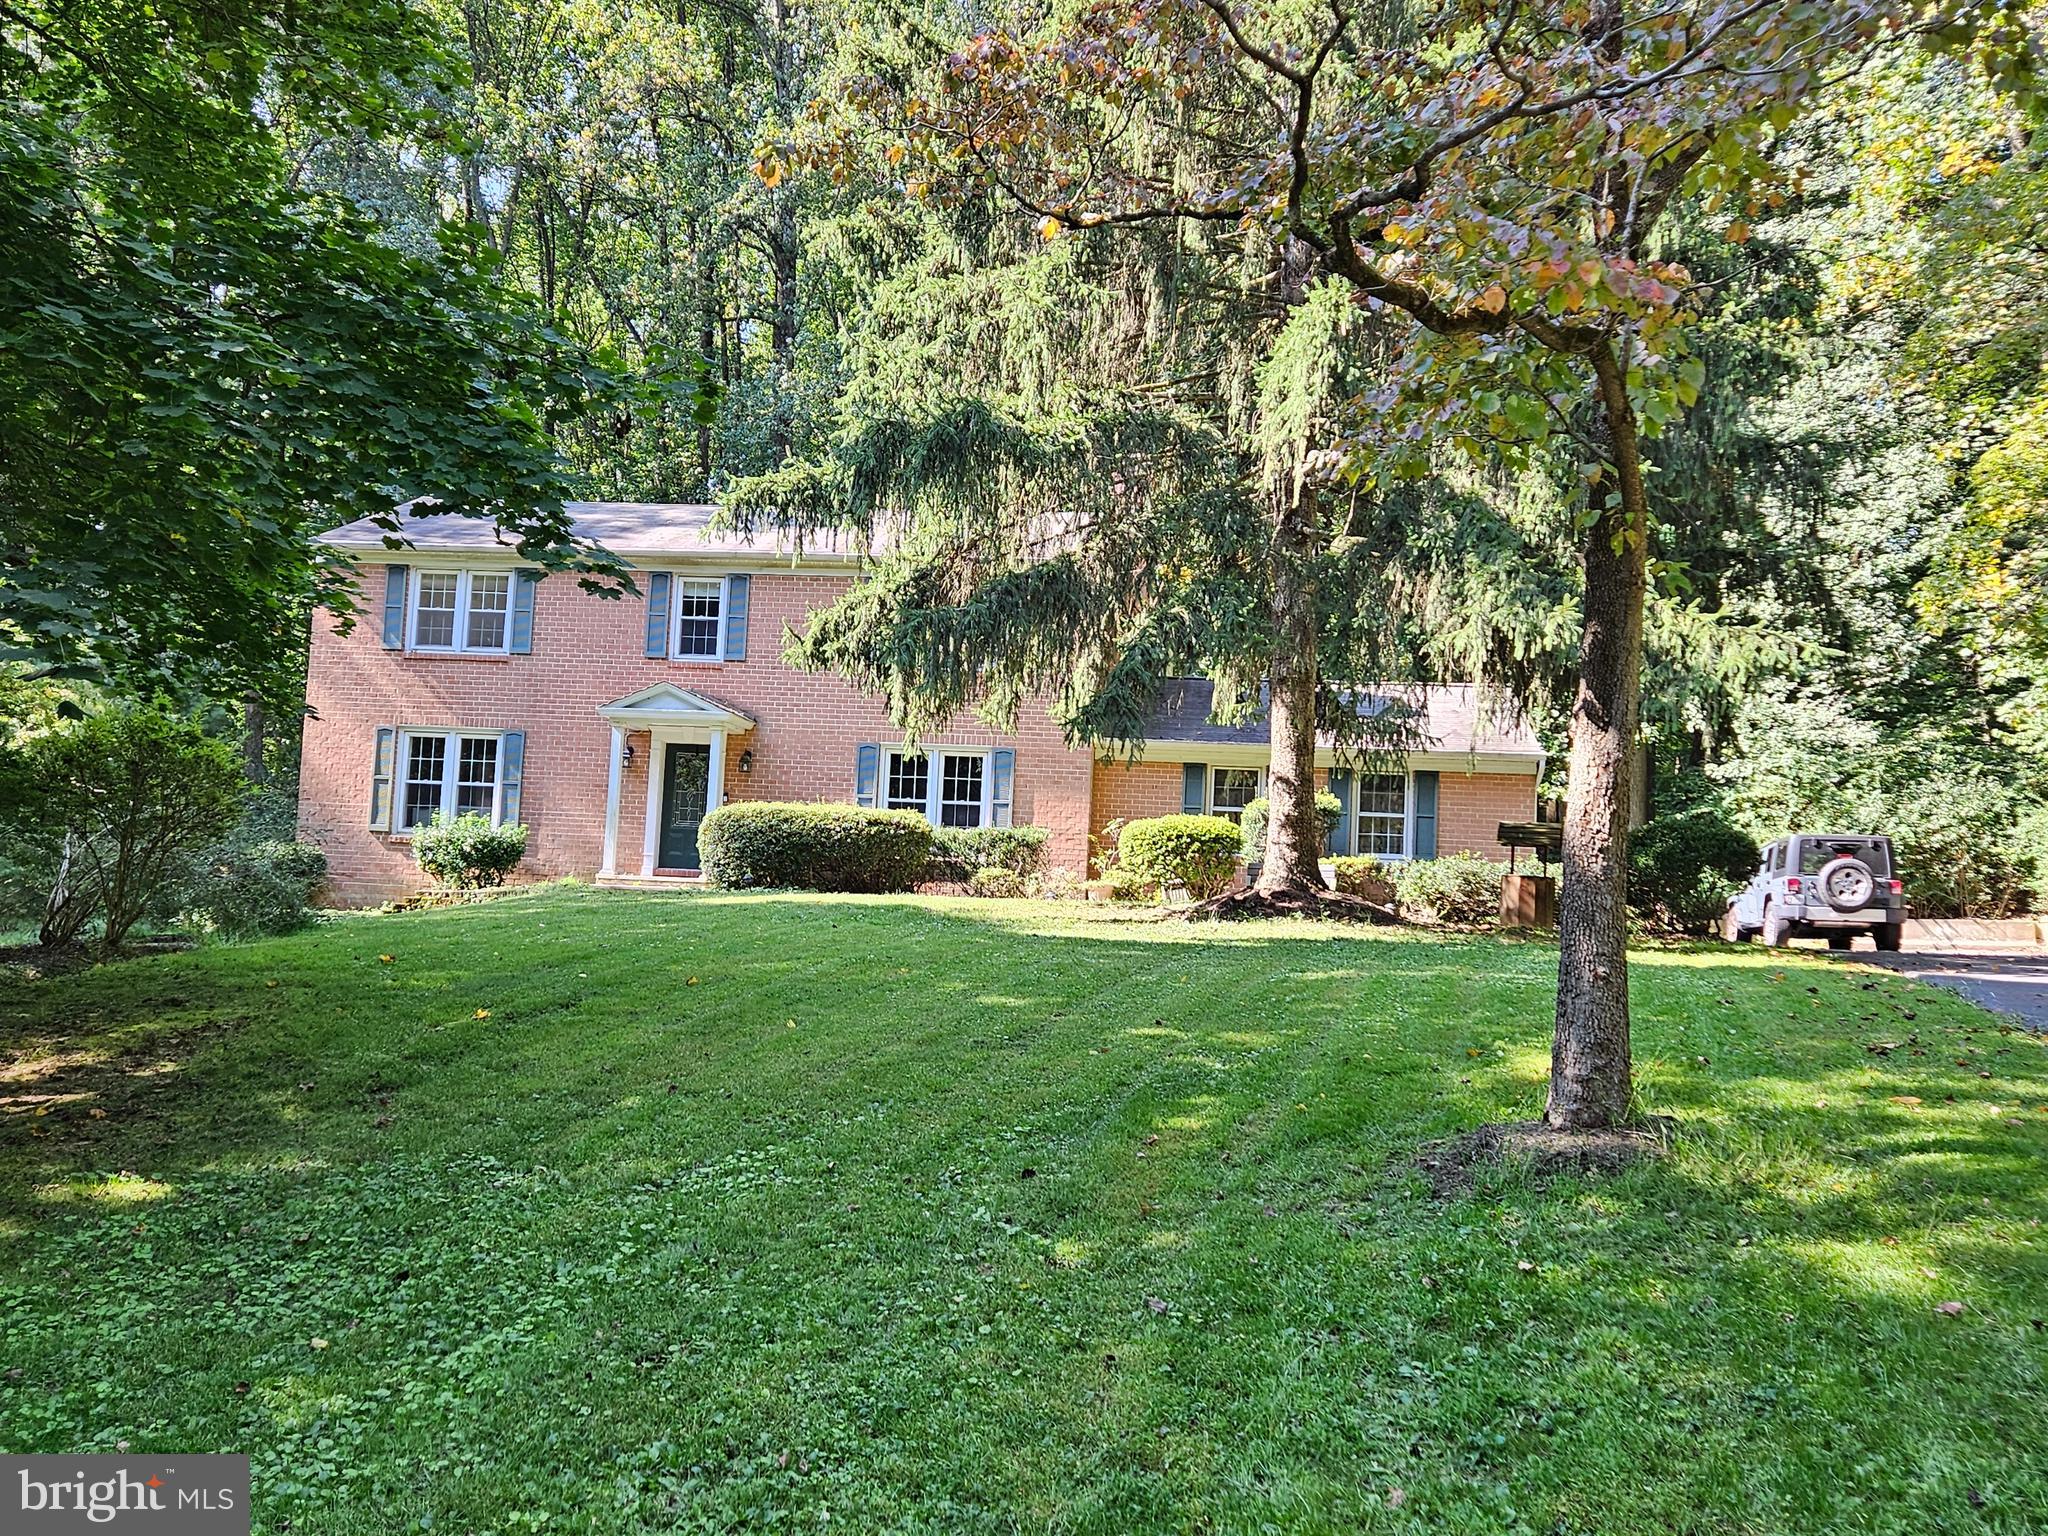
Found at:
[685, 791]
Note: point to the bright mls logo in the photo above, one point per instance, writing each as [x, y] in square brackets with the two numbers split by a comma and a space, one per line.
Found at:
[146, 1495]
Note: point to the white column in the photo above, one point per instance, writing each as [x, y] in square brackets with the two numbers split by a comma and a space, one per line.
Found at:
[714, 794]
[654, 767]
[610, 866]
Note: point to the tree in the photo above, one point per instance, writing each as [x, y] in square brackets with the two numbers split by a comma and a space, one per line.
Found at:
[207, 363]
[109, 811]
[1497, 184]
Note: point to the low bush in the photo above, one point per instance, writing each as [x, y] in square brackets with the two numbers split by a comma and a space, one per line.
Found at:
[958, 852]
[813, 846]
[1362, 874]
[1683, 867]
[1259, 811]
[995, 881]
[1199, 853]
[251, 888]
[468, 852]
[1462, 888]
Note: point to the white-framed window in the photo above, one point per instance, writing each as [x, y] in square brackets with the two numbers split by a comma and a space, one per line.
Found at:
[461, 610]
[1232, 789]
[1382, 815]
[699, 618]
[956, 795]
[460, 772]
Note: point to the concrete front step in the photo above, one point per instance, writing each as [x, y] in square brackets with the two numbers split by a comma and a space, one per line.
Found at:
[649, 882]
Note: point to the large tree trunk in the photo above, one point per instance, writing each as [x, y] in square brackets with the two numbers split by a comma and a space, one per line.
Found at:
[1294, 833]
[1590, 1084]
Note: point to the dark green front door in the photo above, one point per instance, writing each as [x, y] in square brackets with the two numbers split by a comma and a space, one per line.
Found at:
[685, 788]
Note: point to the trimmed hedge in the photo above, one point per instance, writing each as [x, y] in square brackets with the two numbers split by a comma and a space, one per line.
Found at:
[995, 881]
[1328, 806]
[1198, 852]
[1363, 874]
[1462, 888]
[959, 853]
[814, 846]
[1684, 867]
[468, 853]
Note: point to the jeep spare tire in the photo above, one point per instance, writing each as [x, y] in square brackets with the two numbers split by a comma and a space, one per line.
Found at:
[1847, 884]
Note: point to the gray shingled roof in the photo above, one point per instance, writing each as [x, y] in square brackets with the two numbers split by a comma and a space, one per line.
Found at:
[1458, 720]
[629, 529]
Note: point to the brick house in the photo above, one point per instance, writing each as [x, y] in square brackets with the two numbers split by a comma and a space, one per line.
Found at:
[612, 726]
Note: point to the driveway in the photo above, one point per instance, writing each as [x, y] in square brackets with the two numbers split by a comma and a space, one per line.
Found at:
[2012, 984]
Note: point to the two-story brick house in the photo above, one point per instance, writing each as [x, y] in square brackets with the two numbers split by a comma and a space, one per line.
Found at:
[612, 726]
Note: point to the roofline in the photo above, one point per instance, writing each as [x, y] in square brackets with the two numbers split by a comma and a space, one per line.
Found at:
[504, 557]
[1238, 754]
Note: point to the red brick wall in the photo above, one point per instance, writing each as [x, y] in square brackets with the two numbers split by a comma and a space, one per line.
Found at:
[587, 651]
[1127, 791]
[1471, 807]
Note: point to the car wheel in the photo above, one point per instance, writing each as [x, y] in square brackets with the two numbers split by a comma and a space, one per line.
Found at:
[1838, 941]
[1888, 936]
[1777, 932]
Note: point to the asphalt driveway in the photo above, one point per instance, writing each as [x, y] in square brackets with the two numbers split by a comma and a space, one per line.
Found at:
[2012, 984]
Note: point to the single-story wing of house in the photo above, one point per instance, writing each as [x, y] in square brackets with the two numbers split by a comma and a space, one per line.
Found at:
[612, 726]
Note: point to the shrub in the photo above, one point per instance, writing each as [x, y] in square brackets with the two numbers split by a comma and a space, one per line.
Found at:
[1462, 888]
[1362, 874]
[1682, 868]
[814, 846]
[1056, 885]
[1128, 885]
[1197, 852]
[247, 889]
[467, 852]
[958, 852]
[995, 881]
[103, 817]
[1328, 807]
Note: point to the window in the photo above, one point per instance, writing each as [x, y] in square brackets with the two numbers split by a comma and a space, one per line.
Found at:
[960, 786]
[448, 771]
[697, 609]
[1383, 814]
[957, 796]
[909, 781]
[1231, 790]
[461, 610]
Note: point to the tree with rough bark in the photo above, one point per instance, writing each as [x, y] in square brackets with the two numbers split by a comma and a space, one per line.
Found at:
[1493, 178]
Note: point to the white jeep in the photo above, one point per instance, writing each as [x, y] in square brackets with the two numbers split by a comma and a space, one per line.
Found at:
[1831, 885]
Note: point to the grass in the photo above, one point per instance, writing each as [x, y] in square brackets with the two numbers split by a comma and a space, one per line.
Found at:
[610, 1212]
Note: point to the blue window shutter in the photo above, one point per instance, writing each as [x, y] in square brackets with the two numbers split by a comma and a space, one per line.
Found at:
[511, 772]
[657, 613]
[867, 774]
[1340, 834]
[1002, 774]
[736, 617]
[395, 578]
[523, 583]
[380, 777]
[1425, 813]
[1194, 783]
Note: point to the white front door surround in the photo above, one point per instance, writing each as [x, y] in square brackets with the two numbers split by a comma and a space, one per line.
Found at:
[668, 714]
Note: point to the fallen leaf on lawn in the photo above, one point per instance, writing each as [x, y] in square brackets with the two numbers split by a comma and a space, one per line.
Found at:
[1151, 1141]
[386, 959]
[97, 1114]
[1396, 1497]
[1890, 1242]
[1525, 1266]
[318, 1343]
[481, 1013]
[1905, 1098]
[1950, 1309]
[691, 982]
[1156, 1304]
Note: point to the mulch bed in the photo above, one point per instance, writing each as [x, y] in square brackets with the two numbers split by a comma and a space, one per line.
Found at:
[33, 962]
[1237, 906]
[1452, 1165]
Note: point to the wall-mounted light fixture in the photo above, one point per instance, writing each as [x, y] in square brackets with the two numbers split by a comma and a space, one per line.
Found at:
[747, 761]
[629, 752]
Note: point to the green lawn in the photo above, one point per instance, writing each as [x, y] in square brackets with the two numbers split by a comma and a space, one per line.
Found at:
[647, 1213]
